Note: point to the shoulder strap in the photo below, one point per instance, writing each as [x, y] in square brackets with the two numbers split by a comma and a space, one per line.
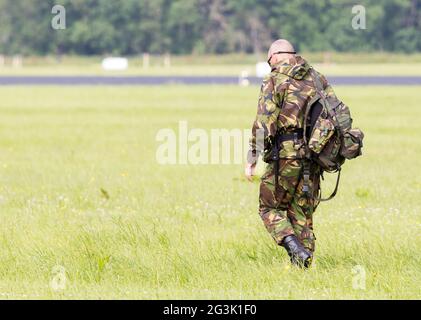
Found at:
[319, 95]
[320, 90]
[317, 81]
[307, 113]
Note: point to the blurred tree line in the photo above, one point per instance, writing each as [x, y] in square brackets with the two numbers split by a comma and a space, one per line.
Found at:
[206, 26]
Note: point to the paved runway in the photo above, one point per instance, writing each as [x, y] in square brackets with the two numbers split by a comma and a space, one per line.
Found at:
[191, 80]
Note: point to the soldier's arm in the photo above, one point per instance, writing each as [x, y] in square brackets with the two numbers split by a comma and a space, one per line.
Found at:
[265, 124]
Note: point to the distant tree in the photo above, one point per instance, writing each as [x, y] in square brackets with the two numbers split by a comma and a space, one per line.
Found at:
[131, 27]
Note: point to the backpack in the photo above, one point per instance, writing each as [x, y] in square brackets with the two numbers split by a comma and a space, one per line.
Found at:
[329, 138]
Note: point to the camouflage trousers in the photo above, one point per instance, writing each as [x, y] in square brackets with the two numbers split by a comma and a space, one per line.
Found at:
[288, 211]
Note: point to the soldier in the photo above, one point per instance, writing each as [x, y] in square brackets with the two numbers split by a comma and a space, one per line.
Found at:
[286, 210]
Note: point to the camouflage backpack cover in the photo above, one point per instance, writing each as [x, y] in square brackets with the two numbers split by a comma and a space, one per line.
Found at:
[328, 134]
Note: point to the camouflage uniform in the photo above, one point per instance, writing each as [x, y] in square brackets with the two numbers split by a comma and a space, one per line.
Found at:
[283, 98]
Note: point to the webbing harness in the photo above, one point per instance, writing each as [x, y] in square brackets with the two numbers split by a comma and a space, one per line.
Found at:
[307, 161]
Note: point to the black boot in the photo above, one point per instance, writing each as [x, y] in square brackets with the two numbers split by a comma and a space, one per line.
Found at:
[298, 254]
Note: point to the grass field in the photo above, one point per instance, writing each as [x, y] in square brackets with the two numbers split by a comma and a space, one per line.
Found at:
[359, 64]
[357, 69]
[192, 231]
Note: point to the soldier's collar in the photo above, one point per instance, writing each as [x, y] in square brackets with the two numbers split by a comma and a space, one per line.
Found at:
[286, 63]
[279, 64]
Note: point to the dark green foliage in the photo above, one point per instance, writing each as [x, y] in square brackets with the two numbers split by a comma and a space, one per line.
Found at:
[206, 26]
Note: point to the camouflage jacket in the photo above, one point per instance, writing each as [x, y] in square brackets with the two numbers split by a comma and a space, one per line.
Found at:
[284, 95]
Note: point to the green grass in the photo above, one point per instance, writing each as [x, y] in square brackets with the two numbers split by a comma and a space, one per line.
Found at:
[192, 231]
[380, 64]
[391, 69]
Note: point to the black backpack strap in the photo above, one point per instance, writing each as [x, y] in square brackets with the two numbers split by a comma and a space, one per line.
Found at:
[334, 191]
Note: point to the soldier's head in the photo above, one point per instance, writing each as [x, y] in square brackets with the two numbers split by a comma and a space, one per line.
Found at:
[279, 51]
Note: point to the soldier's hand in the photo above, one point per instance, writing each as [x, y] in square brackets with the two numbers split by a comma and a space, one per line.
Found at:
[250, 171]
